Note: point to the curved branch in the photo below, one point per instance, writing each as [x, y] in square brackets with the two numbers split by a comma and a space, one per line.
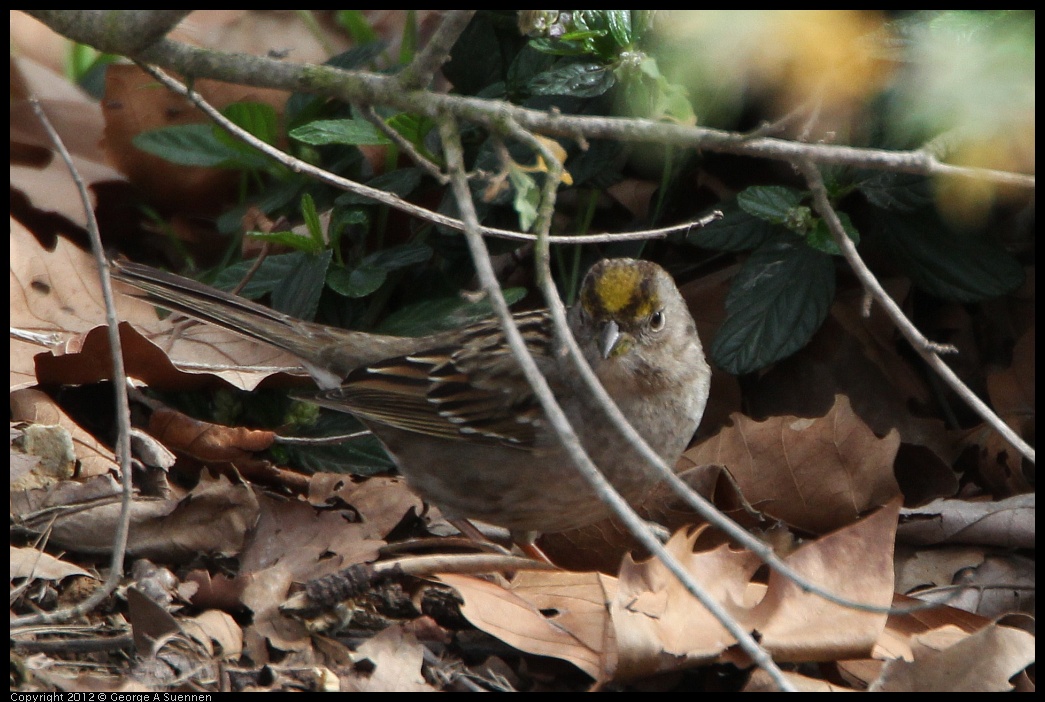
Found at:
[927, 349]
[370, 88]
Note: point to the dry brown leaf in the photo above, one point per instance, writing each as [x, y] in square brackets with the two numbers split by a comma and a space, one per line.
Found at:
[32, 563]
[1002, 584]
[207, 441]
[949, 660]
[263, 32]
[634, 195]
[397, 659]
[56, 304]
[381, 501]
[47, 186]
[133, 104]
[294, 542]
[658, 627]
[814, 474]
[213, 518]
[858, 358]
[34, 406]
[706, 298]
[926, 568]
[1007, 523]
[1012, 396]
[854, 562]
[218, 627]
[517, 618]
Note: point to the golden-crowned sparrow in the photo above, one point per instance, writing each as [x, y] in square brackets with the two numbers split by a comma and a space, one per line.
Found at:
[456, 413]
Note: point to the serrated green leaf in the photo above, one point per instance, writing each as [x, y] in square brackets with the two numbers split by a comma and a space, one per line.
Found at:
[413, 128]
[298, 291]
[947, 264]
[772, 203]
[778, 300]
[619, 22]
[735, 231]
[821, 239]
[348, 132]
[358, 282]
[188, 145]
[584, 79]
[902, 192]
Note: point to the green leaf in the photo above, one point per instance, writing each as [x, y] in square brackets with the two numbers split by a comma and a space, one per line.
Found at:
[308, 211]
[357, 26]
[402, 182]
[371, 273]
[584, 79]
[736, 231]
[399, 256]
[289, 239]
[527, 197]
[821, 239]
[414, 128]
[778, 300]
[298, 291]
[257, 118]
[350, 132]
[431, 316]
[358, 282]
[902, 192]
[619, 22]
[772, 203]
[188, 145]
[947, 264]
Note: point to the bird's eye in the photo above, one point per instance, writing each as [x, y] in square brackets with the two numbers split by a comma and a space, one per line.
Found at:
[657, 320]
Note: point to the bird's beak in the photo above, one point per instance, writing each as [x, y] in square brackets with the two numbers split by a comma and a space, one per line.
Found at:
[609, 336]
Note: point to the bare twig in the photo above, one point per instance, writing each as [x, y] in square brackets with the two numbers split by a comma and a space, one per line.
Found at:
[927, 349]
[405, 146]
[383, 196]
[123, 413]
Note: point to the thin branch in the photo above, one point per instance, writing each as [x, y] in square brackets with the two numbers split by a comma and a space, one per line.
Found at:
[427, 61]
[927, 349]
[369, 88]
[113, 31]
[405, 146]
[383, 196]
[123, 412]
